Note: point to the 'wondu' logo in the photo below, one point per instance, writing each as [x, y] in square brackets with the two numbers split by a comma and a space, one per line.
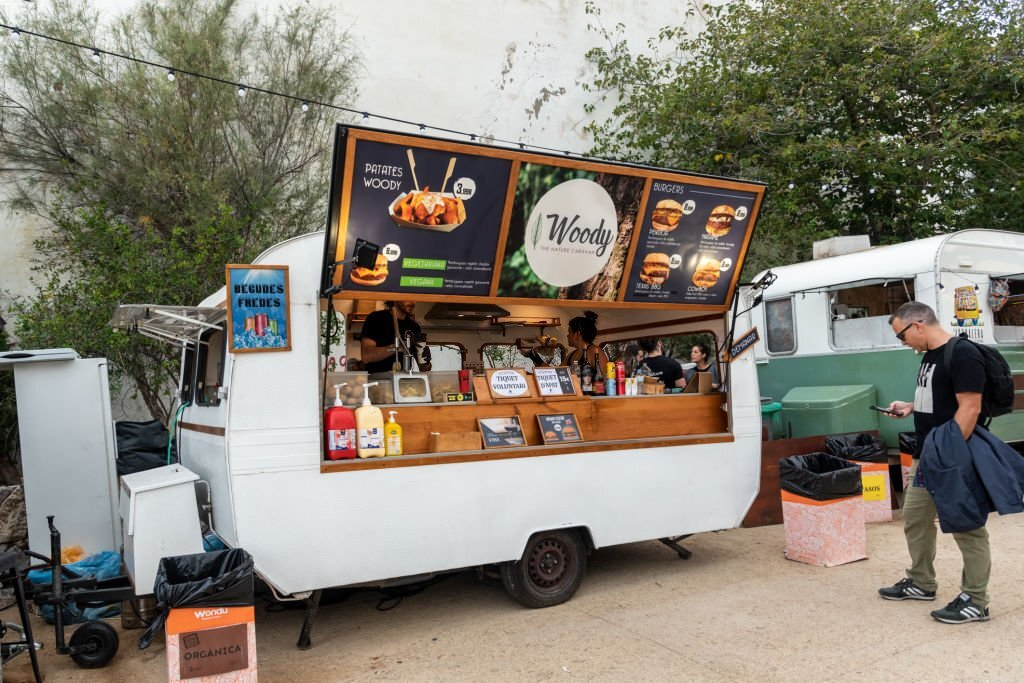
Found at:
[570, 233]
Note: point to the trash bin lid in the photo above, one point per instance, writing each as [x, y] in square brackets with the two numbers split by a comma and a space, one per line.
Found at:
[824, 398]
[770, 408]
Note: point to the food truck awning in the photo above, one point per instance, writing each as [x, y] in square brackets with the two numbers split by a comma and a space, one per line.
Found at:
[174, 324]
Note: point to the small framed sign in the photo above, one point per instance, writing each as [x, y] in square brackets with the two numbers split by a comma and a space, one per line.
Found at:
[559, 428]
[501, 432]
[556, 381]
[509, 383]
[258, 318]
[743, 343]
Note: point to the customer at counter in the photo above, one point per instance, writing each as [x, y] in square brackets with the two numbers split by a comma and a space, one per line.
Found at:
[700, 355]
[377, 343]
[661, 366]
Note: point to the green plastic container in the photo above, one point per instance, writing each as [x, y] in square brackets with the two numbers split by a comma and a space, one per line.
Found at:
[771, 420]
[812, 411]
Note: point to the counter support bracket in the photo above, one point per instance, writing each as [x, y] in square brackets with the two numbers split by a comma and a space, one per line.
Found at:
[673, 542]
[312, 605]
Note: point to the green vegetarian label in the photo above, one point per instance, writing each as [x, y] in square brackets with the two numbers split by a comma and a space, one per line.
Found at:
[414, 281]
[424, 264]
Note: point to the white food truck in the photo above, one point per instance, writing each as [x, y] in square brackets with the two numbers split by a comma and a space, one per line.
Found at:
[664, 464]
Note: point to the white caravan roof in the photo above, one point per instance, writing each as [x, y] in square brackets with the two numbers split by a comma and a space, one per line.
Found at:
[1000, 253]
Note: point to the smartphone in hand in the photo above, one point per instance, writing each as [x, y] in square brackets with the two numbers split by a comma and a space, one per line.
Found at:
[885, 411]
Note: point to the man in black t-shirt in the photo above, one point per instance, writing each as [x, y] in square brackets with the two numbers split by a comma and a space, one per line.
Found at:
[377, 342]
[941, 396]
[664, 368]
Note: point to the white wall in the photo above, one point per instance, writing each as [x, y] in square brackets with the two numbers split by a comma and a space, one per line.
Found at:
[511, 70]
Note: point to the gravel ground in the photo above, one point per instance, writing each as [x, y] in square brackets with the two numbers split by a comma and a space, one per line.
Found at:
[738, 610]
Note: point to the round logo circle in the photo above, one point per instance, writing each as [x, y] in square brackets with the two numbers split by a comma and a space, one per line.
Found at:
[570, 233]
[741, 213]
[689, 206]
[391, 252]
[675, 261]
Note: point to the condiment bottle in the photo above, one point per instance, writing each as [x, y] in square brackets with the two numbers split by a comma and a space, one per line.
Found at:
[370, 427]
[392, 435]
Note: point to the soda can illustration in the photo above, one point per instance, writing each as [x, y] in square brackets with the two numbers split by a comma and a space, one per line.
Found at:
[250, 324]
[273, 326]
[261, 324]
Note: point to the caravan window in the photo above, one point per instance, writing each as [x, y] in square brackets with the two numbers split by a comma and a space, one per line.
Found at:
[1009, 319]
[860, 315]
[188, 371]
[780, 333]
[210, 368]
[509, 356]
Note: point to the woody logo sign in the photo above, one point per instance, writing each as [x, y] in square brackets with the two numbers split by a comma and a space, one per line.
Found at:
[570, 233]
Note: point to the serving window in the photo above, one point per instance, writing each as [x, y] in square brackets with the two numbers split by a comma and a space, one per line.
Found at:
[859, 316]
[1008, 295]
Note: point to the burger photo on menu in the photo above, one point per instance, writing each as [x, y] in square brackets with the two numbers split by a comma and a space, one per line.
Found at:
[707, 273]
[666, 214]
[655, 268]
[371, 277]
[720, 221]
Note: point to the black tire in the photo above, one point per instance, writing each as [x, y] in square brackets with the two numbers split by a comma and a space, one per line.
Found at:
[550, 570]
[95, 643]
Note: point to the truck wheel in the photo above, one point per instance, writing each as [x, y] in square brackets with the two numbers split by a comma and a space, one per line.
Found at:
[550, 570]
[95, 643]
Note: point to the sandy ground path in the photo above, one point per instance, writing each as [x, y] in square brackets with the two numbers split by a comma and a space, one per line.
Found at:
[737, 611]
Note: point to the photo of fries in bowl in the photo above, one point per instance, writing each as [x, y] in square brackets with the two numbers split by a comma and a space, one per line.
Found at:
[441, 211]
[428, 209]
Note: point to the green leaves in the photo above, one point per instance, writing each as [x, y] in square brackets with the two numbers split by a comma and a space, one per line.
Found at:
[883, 115]
[151, 186]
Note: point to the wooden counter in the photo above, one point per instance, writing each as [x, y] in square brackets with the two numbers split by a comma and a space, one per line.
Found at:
[606, 423]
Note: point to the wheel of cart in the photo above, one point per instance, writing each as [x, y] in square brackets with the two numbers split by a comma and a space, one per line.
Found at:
[550, 570]
[94, 643]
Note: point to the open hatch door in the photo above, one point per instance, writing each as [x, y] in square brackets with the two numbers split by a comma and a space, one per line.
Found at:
[174, 324]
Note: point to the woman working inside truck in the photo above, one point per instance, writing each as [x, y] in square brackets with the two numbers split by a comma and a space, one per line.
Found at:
[700, 354]
[581, 335]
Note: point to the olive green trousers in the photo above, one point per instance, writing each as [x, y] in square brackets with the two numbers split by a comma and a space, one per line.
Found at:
[919, 528]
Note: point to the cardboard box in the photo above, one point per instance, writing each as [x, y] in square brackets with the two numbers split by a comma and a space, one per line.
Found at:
[211, 645]
[824, 532]
[877, 491]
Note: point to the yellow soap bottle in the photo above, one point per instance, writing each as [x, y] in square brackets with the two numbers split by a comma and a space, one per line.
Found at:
[393, 435]
[369, 427]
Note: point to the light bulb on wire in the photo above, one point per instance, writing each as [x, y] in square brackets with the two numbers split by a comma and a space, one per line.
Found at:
[170, 75]
[96, 56]
[15, 34]
[241, 91]
[305, 107]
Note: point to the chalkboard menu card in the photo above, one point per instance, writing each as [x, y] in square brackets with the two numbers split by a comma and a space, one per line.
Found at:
[501, 432]
[554, 381]
[559, 428]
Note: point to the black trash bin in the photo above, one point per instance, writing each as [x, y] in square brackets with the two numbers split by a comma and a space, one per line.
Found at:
[820, 476]
[219, 579]
[859, 447]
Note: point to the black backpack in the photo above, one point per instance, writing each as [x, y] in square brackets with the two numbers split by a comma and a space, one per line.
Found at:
[997, 398]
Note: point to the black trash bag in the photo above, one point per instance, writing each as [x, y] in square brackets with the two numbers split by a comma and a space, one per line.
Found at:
[863, 447]
[141, 446]
[223, 578]
[908, 442]
[820, 476]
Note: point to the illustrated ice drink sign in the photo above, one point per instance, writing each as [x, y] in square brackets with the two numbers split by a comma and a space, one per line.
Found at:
[258, 318]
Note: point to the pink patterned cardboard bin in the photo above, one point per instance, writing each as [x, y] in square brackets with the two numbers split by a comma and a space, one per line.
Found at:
[824, 532]
[877, 489]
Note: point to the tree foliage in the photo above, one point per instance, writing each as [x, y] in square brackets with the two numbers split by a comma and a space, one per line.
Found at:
[893, 118]
[150, 185]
